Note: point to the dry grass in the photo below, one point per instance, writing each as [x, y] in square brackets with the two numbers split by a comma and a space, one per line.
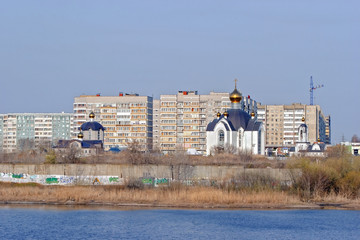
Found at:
[173, 196]
[336, 198]
[178, 196]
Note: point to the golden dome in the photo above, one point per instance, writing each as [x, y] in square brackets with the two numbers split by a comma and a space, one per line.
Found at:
[80, 135]
[303, 119]
[252, 114]
[235, 96]
[218, 114]
[92, 115]
[226, 114]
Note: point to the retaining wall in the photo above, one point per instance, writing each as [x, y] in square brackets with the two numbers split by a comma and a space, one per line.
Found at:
[182, 172]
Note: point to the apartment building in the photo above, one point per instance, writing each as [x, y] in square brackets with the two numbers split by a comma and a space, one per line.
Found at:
[127, 118]
[19, 131]
[282, 123]
[327, 129]
[1, 131]
[156, 124]
[180, 119]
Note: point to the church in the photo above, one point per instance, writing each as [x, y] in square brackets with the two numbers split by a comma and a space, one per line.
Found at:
[90, 139]
[236, 129]
[303, 147]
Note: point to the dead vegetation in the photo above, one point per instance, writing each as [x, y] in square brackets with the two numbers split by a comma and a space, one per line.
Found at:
[175, 195]
[135, 157]
[337, 175]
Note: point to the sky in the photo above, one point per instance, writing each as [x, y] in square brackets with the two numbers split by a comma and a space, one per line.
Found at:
[53, 51]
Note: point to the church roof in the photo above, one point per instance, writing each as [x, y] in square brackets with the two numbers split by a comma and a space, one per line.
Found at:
[253, 125]
[316, 147]
[84, 143]
[236, 119]
[212, 124]
[90, 143]
[95, 126]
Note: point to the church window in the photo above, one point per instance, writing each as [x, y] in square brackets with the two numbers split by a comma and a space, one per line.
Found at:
[221, 137]
[239, 139]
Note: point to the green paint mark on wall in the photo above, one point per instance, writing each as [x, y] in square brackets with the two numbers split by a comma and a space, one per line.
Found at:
[52, 180]
[17, 175]
[161, 181]
[147, 181]
[113, 179]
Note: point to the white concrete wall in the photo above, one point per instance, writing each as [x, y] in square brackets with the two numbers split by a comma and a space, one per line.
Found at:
[117, 174]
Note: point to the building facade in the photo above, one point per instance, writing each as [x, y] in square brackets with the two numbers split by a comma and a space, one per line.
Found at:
[180, 120]
[127, 118]
[20, 131]
[328, 129]
[282, 123]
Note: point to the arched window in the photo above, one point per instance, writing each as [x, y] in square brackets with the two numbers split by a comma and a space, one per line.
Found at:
[221, 138]
[240, 138]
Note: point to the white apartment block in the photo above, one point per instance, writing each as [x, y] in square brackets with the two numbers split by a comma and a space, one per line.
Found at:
[127, 118]
[180, 119]
[19, 131]
[282, 123]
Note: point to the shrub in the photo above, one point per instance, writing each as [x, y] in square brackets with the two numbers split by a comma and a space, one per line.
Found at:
[350, 183]
[50, 158]
[135, 184]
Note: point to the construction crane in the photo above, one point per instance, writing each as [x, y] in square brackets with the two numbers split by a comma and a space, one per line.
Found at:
[312, 88]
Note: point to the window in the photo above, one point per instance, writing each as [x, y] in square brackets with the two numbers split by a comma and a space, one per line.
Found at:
[221, 138]
[239, 139]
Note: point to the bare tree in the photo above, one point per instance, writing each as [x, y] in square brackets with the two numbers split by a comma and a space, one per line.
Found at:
[25, 144]
[43, 146]
[134, 153]
[70, 155]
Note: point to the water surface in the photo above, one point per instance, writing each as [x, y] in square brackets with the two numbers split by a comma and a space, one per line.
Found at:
[67, 223]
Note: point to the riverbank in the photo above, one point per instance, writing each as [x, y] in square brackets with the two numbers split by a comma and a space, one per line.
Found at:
[169, 197]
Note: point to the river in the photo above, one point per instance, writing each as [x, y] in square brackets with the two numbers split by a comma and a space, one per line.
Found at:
[72, 223]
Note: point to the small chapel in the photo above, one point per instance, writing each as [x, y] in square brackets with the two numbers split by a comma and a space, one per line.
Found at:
[236, 129]
[303, 147]
[90, 140]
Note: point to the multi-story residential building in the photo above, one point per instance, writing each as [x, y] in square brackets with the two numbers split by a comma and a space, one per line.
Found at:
[1, 131]
[156, 124]
[127, 118]
[20, 131]
[328, 129]
[282, 123]
[180, 120]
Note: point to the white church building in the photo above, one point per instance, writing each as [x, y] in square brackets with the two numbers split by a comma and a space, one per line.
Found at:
[236, 129]
[303, 147]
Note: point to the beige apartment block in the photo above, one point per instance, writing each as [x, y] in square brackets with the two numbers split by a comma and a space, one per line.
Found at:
[127, 118]
[180, 119]
[156, 124]
[282, 123]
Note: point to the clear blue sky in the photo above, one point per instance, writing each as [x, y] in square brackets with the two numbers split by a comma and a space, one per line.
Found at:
[52, 51]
